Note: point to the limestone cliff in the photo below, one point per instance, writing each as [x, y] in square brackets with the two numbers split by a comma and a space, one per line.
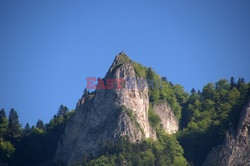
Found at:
[168, 120]
[235, 151]
[108, 114]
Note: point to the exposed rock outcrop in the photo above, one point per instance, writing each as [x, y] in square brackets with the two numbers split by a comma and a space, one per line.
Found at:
[235, 151]
[168, 119]
[108, 115]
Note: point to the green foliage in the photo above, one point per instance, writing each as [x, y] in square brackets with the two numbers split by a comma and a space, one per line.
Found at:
[153, 118]
[208, 115]
[3, 124]
[6, 150]
[123, 58]
[140, 70]
[120, 59]
[27, 129]
[180, 94]
[205, 118]
[39, 144]
[40, 125]
[165, 92]
[62, 111]
[167, 151]
[168, 93]
[14, 127]
[162, 90]
[103, 161]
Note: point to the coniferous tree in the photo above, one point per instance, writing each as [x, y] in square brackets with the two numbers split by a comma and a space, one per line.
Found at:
[207, 117]
[3, 123]
[27, 129]
[62, 110]
[164, 79]
[193, 90]
[14, 127]
[232, 82]
[150, 73]
[240, 82]
[40, 125]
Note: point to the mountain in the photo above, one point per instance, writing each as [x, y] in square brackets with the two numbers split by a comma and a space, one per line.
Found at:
[110, 114]
[235, 149]
[136, 117]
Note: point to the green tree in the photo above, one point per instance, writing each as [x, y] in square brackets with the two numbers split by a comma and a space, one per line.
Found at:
[102, 161]
[232, 82]
[148, 158]
[208, 115]
[180, 94]
[164, 79]
[222, 84]
[193, 90]
[40, 145]
[3, 123]
[121, 160]
[40, 124]
[208, 91]
[14, 127]
[62, 111]
[6, 150]
[27, 129]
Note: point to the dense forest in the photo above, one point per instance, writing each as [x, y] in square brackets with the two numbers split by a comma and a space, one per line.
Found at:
[204, 118]
[31, 145]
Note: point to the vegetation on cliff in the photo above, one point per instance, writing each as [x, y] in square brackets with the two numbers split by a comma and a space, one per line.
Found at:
[165, 151]
[204, 118]
[162, 90]
[207, 115]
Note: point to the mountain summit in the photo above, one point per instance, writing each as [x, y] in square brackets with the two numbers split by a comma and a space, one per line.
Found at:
[109, 114]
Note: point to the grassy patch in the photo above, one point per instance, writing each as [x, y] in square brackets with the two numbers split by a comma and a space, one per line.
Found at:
[140, 70]
[123, 57]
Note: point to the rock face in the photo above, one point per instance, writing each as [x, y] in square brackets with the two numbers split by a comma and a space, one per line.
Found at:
[108, 115]
[168, 120]
[235, 151]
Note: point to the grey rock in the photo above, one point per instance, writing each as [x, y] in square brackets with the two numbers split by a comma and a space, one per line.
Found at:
[108, 115]
[235, 150]
[168, 119]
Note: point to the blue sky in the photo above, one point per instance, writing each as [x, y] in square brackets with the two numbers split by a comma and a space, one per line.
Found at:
[49, 47]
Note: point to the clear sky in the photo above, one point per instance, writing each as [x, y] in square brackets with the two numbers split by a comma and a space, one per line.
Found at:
[49, 47]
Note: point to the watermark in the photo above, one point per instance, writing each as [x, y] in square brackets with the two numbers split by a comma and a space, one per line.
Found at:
[129, 83]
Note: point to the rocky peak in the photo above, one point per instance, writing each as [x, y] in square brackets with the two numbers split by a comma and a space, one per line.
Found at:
[108, 115]
[120, 59]
[134, 99]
